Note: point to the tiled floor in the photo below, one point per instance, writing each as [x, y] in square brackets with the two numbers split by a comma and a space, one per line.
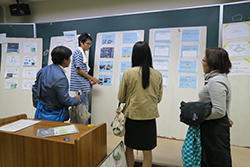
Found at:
[168, 152]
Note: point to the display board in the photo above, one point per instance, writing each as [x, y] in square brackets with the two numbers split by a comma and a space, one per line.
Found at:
[236, 40]
[177, 54]
[112, 58]
[21, 60]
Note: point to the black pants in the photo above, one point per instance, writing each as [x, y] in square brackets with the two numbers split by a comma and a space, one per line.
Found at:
[215, 142]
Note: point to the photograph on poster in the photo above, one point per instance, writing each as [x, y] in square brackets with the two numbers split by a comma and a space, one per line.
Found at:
[189, 51]
[107, 52]
[161, 64]
[29, 61]
[12, 60]
[187, 81]
[11, 73]
[162, 36]
[105, 79]
[11, 84]
[12, 47]
[190, 35]
[126, 52]
[108, 39]
[125, 65]
[188, 66]
[161, 51]
[129, 37]
[106, 66]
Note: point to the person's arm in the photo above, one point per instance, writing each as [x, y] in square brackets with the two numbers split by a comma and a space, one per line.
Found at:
[35, 97]
[86, 75]
[122, 89]
[63, 94]
[160, 91]
[218, 94]
[78, 63]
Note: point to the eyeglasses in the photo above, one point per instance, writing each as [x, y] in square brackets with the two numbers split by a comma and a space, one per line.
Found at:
[203, 60]
[88, 43]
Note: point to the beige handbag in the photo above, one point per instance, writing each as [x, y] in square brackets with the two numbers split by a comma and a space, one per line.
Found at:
[118, 124]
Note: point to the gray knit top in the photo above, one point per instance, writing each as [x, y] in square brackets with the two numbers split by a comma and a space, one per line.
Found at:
[217, 89]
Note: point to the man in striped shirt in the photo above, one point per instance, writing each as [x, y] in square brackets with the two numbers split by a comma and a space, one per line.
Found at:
[80, 79]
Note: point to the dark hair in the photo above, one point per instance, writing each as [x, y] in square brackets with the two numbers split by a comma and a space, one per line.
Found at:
[217, 59]
[83, 38]
[141, 56]
[60, 53]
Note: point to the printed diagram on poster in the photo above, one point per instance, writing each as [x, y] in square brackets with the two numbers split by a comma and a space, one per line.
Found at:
[29, 72]
[165, 80]
[236, 31]
[13, 61]
[187, 81]
[105, 79]
[127, 52]
[120, 79]
[11, 84]
[237, 48]
[125, 65]
[29, 61]
[70, 35]
[106, 66]
[29, 47]
[27, 84]
[241, 67]
[107, 52]
[11, 73]
[190, 35]
[12, 47]
[129, 37]
[161, 64]
[189, 51]
[161, 51]
[162, 36]
[188, 66]
[108, 39]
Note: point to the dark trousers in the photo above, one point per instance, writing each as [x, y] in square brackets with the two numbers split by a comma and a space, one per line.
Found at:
[215, 142]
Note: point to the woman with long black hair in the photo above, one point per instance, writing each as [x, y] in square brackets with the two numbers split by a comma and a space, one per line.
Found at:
[141, 90]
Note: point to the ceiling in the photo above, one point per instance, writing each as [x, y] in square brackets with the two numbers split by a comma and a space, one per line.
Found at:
[8, 2]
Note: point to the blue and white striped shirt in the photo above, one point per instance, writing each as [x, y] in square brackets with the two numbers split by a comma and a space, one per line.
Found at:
[77, 81]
